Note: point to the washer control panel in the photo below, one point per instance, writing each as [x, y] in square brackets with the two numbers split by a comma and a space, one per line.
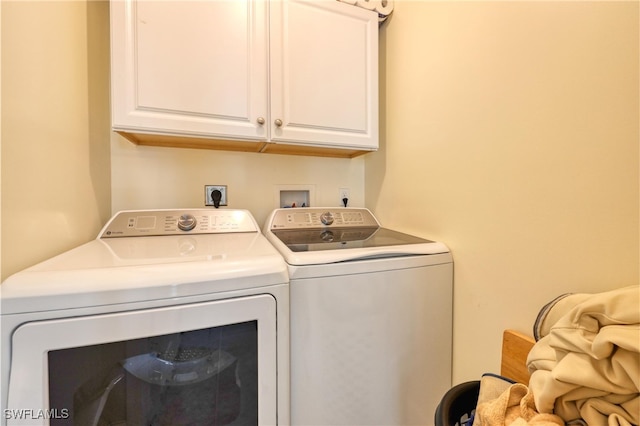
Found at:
[144, 223]
[318, 217]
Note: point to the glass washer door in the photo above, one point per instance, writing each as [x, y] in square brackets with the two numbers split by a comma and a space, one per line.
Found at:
[39, 346]
[309, 240]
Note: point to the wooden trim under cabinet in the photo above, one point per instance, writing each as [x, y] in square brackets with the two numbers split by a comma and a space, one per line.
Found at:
[314, 151]
[178, 141]
[174, 141]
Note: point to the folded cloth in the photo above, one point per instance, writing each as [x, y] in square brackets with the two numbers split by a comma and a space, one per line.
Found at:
[491, 387]
[514, 407]
[586, 363]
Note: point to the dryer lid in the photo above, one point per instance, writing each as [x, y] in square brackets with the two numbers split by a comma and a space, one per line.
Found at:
[140, 268]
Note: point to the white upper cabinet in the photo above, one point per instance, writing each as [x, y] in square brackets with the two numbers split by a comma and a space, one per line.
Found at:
[290, 76]
[324, 73]
[189, 67]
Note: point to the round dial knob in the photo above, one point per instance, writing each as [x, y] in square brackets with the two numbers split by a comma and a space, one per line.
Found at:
[326, 218]
[187, 222]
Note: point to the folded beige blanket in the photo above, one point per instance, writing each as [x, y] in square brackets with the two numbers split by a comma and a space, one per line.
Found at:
[586, 365]
[514, 407]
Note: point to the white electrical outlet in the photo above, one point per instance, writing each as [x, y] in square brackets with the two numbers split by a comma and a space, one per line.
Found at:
[344, 193]
[208, 199]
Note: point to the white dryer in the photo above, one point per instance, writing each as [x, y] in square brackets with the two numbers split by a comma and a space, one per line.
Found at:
[371, 318]
[168, 317]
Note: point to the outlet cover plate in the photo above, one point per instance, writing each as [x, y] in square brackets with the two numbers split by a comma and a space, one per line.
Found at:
[208, 201]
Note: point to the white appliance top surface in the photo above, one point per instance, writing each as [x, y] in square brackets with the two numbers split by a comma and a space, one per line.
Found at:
[313, 236]
[143, 255]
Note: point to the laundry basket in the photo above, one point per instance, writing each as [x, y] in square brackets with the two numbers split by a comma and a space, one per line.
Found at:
[458, 404]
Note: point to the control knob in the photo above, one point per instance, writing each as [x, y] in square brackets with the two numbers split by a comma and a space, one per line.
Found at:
[187, 222]
[326, 218]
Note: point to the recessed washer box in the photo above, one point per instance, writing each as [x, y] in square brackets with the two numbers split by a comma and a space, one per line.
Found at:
[295, 196]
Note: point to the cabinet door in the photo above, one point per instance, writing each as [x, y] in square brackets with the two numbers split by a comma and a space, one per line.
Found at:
[324, 74]
[194, 68]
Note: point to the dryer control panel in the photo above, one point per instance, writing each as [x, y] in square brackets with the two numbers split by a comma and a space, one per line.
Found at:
[318, 217]
[145, 223]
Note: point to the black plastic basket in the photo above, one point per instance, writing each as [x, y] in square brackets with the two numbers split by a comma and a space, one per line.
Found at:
[458, 404]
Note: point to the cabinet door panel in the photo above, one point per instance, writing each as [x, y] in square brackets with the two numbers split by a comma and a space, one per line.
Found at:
[324, 73]
[182, 71]
[190, 67]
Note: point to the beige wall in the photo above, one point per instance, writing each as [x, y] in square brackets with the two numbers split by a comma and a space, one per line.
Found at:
[511, 133]
[55, 128]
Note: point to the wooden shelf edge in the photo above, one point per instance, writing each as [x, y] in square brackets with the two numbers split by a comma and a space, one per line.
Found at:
[515, 349]
[178, 141]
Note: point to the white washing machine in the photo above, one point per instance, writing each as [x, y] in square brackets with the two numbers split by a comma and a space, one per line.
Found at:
[371, 318]
[169, 317]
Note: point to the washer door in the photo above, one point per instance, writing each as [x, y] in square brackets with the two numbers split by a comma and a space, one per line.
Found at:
[186, 364]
